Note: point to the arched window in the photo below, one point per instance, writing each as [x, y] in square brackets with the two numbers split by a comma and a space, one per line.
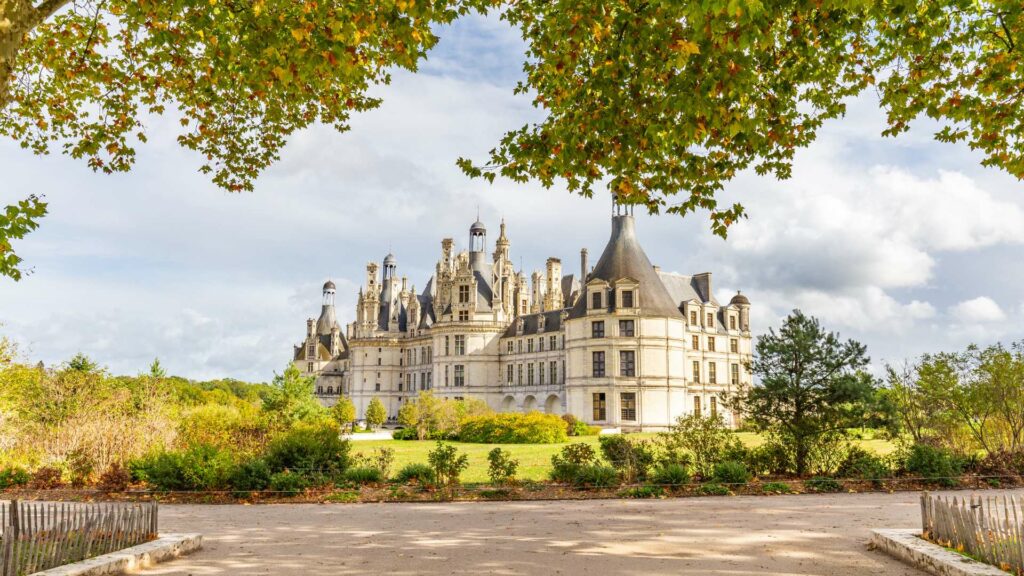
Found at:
[330, 390]
[319, 389]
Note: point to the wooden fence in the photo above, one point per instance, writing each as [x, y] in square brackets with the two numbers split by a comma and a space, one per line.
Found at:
[36, 536]
[988, 529]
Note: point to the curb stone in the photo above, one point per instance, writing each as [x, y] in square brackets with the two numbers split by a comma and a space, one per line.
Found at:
[165, 547]
[907, 545]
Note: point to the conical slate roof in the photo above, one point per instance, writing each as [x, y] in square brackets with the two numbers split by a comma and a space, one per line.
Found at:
[624, 258]
[326, 320]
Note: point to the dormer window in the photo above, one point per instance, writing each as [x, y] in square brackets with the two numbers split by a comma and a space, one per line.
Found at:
[732, 322]
[463, 294]
[693, 317]
[519, 330]
[711, 320]
[627, 298]
[595, 301]
[540, 323]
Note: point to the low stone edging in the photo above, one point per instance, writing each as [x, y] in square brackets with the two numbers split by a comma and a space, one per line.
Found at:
[166, 547]
[907, 545]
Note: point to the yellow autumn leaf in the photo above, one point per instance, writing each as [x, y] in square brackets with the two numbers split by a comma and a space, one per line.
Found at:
[686, 47]
[298, 34]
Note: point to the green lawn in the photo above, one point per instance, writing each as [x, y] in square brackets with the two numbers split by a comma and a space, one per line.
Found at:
[534, 459]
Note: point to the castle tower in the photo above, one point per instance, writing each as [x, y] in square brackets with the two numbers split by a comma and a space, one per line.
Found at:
[553, 298]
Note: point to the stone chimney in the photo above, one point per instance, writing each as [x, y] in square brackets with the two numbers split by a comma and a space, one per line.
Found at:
[583, 267]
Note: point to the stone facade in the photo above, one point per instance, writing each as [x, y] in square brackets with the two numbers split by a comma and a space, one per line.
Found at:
[620, 345]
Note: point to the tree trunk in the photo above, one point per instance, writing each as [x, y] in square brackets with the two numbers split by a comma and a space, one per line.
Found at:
[17, 19]
[801, 456]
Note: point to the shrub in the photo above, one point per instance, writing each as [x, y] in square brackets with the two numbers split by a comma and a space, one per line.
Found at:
[309, 448]
[364, 475]
[416, 472]
[250, 475]
[713, 489]
[827, 452]
[671, 475]
[776, 488]
[79, 468]
[772, 457]
[566, 465]
[643, 492]
[823, 484]
[513, 428]
[596, 476]
[1002, 463]
[447, 463]
[46, 478]
[501, 467]
[380, 459]
[10, 477]
[731, 472]
[863, 465]
[114, 479]
[702, 440]
[290, 483]
[570, 424]
[934, 463]
[632, 458]
[405, 434]
[200, 467]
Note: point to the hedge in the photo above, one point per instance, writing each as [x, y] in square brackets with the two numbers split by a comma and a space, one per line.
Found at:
[512, 428]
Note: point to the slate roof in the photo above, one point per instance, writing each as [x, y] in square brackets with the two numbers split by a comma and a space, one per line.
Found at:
[552, 324]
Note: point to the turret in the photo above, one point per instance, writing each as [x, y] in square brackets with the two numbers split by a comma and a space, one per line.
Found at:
[553, 298]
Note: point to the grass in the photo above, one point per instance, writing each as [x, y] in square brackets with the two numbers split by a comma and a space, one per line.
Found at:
[534, 459]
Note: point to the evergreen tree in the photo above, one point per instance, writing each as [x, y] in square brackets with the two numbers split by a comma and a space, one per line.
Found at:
[811, 385]
[156, 370]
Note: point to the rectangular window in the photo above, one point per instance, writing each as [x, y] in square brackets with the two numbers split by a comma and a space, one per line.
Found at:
[554, 372]
[510, 347]
[529, 345]
[627, 298]
[309, 367]
[445, 376]
[595, 301]
[311, 350]
[693, 317]
[529, 374]
[554, 342]
[696, 371]
[446, 350]
[376, 387]
[519, 346]
[463, 294]
[597, 329]
[519, 374]
[540, 344]
[627, 362]
[711, 320]
[711, 343]
[399, 385]
[627, 328]
[734, 345]
[430, 380]
[696, 405]
[734, 374]
[463, 315]
[712, 373]
[460, 345]
[510, 379]
[460, 375]
[627, 401]
[598, 358]
[714, 406]
[696, 342]
[378, 361]
[732, 322]
[540, 372]
[600, 406]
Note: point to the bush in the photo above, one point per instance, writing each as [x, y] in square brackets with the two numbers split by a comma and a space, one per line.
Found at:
[416, 472]
[643, 492]
[501, 467]
[309, 449]
[405, 434]
[46, 478]
[934, 463]
[772, 457]
[823, 484]
[513, 428]
[447, 463]
[250, 475]
[671, 475]
[731, 472]
[570, 424]
[1002, 463]
[114, 479]
[565, 466]
[200, 467]
[10, 477]
[596, 476]
[380, 459]
[702, 440]
[364, 475]
[713, 489]
[776, 488]
[632, 458]
[290, 483]
[827, 452]
[863, 465]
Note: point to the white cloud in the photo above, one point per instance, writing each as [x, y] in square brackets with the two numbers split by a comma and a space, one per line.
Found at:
[980, 309]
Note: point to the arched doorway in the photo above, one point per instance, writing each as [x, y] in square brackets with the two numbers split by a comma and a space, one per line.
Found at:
[529, 404]
[553, 405]
[508, 404]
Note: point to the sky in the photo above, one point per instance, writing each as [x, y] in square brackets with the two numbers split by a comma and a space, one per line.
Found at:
[907, 245]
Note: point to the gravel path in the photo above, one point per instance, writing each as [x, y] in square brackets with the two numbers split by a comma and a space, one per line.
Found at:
[727, 536]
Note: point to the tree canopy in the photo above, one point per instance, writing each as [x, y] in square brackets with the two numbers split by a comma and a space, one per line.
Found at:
[661, 102]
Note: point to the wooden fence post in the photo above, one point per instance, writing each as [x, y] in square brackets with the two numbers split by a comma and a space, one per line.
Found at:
[15, 525]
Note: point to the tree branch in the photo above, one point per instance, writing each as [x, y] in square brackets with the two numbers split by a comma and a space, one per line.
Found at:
[46, 9]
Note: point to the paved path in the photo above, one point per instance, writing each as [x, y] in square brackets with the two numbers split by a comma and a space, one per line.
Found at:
[721, 536]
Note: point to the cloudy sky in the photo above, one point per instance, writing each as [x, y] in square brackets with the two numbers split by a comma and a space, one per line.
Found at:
[907, 245]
